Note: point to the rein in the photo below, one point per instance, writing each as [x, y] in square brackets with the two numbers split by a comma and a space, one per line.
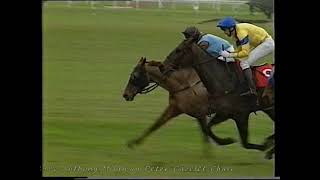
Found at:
[185, 88]
[149, 88]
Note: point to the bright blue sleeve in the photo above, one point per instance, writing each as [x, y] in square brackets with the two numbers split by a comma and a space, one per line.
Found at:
[216, 44]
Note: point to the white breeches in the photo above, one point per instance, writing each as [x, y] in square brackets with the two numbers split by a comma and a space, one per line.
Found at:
[257, 53]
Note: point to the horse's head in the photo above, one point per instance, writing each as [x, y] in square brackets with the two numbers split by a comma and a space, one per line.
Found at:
[137, 82]
[180, 57]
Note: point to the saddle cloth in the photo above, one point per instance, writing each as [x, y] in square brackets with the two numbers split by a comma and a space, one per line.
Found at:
[261, 73]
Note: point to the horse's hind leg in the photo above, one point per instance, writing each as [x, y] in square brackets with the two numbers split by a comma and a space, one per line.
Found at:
[242, 125]
[169, 113]
[203, 125]
[269, 141]
[269, 154]
[218, 118]
[268, 93]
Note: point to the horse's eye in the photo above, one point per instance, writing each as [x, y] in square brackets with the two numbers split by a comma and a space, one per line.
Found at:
[135, 75]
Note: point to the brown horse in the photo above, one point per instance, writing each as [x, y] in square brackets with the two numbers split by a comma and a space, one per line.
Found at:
[187, 95]
[224, 84]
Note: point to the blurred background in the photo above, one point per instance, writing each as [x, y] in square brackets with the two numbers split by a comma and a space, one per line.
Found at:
[89, 51]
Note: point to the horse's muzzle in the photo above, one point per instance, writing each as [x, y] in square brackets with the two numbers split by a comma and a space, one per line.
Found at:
[127, 97]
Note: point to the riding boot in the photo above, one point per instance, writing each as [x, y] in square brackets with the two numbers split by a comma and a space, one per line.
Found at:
[252, 86]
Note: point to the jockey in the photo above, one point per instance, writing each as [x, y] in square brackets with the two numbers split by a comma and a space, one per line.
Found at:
[211, 43]
[253, 43]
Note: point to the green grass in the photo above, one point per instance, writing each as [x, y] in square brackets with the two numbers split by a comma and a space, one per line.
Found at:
[88, 55]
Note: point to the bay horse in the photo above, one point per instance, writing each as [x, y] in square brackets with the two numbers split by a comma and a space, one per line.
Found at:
[224, 82]
[187, 95]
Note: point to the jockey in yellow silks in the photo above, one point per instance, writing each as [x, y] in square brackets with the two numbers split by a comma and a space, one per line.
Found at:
[253, 43]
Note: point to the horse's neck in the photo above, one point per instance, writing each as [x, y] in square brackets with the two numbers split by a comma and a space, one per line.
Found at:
[186, 76]
[176, 81]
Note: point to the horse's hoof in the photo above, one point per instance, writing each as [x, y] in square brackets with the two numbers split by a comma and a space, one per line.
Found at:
[268, 143]
[227, 141]
[268, 156]
[131, 144]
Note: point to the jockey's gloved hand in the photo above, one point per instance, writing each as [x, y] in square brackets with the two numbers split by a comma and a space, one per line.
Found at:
[220, 58]
[225, 54]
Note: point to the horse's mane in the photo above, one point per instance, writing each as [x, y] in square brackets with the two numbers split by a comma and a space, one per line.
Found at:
[160, 65]
[154, 63]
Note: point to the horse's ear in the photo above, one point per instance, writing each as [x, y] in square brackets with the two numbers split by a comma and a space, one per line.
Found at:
[144, 60]
[141, 60]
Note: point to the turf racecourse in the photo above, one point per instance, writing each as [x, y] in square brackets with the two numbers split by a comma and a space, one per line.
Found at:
[87, 57]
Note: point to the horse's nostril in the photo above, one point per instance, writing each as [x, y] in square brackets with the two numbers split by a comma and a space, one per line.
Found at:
[125, 96]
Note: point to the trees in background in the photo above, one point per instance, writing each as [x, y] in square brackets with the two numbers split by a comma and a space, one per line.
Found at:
[266, 6]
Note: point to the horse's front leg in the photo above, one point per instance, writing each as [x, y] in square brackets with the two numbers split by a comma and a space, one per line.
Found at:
[169, 113]
[218, 118]
[206, 145]
[203, 125]
[242, 125]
